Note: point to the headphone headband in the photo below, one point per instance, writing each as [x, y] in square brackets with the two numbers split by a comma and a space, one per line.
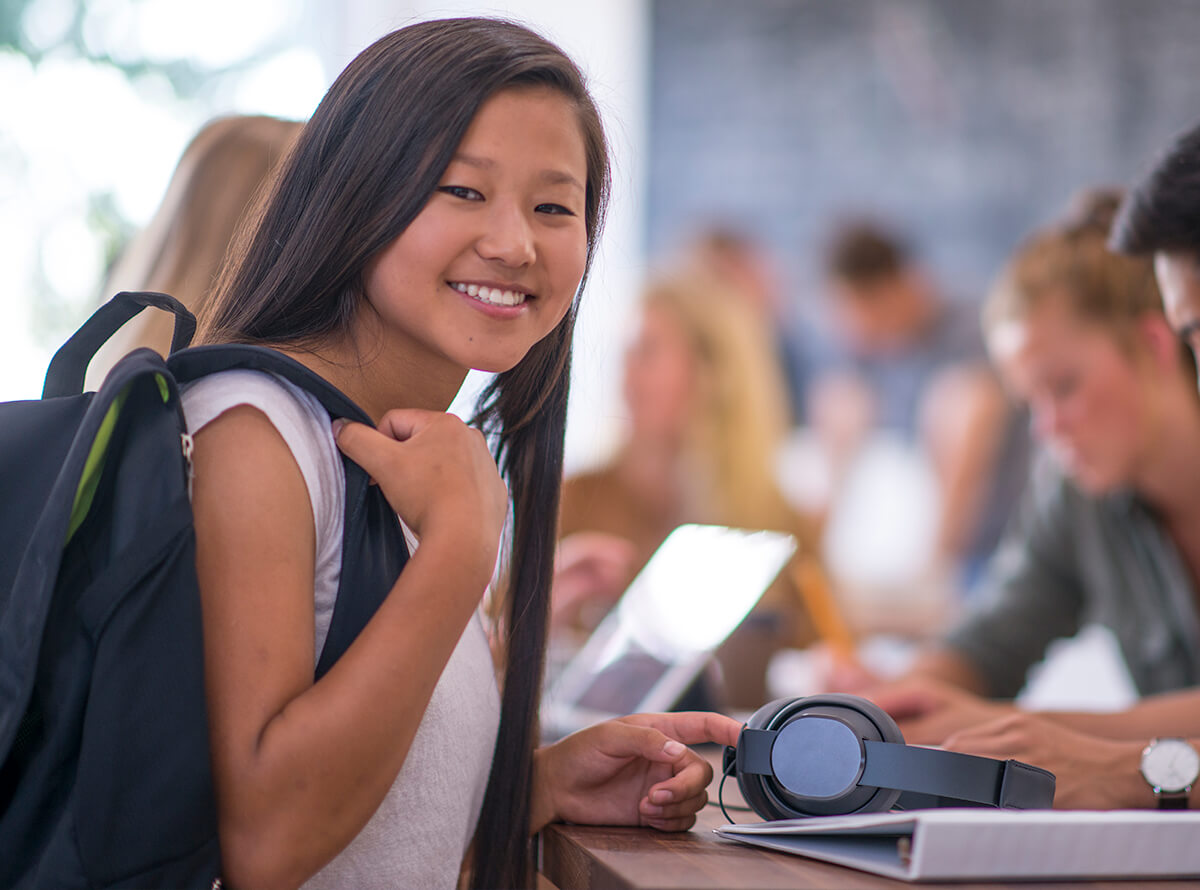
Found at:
[955, 779]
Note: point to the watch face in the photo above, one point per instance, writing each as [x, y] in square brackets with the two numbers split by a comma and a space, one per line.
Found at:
[1170, 764]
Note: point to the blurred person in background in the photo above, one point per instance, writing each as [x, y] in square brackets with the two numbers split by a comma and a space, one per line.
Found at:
[747, 267]
[1100, 759]
[1108, 531]
[180, 252]
[906, 367]
[707, 410]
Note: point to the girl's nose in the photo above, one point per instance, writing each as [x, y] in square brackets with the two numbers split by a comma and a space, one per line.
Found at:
[508, 238]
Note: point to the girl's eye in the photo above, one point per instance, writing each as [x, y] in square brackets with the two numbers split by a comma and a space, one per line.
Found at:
[556, 209]
[461, 191]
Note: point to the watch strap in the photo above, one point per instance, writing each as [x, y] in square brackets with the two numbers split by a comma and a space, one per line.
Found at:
[1172, 800]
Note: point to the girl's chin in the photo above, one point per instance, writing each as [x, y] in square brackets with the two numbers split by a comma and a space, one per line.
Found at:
[497, 366]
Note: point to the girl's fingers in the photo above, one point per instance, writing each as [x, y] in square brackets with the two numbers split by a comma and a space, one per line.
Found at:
[679, 824]
[370, 447]
[403, 423]
[367, 447]
[691, 727]
[624, 739]
[678, 810]
[398, 426]
[692, 779]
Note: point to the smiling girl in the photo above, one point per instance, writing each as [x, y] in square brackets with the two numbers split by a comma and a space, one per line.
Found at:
[438, 214]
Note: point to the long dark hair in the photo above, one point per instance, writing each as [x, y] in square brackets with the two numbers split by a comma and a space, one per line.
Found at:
[362, 169]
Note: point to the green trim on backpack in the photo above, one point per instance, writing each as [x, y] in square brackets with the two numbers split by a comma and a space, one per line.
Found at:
[89, 480]
[94, 465]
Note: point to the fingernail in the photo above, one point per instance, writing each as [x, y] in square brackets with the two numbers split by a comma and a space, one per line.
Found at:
[337, 426]
[662, 795]
[673, 748]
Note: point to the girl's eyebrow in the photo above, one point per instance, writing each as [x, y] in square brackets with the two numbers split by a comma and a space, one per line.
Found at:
[551, 176]
[560, 177]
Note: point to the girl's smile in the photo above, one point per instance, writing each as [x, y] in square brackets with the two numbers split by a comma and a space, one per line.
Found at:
[492, 294]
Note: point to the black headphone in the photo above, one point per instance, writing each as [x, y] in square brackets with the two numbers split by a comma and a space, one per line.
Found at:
[827, 755]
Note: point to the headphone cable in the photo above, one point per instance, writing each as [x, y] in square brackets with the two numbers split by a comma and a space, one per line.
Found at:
[721, 796]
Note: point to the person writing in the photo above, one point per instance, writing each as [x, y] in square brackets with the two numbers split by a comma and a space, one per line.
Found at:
[1078, 333]
[437, 213]
[1144, 755]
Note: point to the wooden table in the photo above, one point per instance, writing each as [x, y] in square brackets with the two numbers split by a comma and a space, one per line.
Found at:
[575, 857]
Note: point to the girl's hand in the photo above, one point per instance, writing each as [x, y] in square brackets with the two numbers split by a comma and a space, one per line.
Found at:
[629, 771]
[437, 473]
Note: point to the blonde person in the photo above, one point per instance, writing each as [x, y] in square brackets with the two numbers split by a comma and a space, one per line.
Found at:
[180, 251]
[707, 410]
[748, 266]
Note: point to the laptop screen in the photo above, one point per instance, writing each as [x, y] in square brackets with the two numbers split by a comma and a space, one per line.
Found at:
[696, 589]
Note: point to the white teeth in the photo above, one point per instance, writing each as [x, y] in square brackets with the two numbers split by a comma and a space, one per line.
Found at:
[492, 295]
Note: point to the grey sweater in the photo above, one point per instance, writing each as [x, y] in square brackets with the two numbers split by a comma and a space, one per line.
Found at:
[1068, 559]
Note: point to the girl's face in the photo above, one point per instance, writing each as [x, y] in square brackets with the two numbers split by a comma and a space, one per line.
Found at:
[660, 377]
[492, 262]
[1087, 394]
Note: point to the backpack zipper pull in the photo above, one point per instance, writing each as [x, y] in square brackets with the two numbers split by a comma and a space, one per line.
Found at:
[188, 445]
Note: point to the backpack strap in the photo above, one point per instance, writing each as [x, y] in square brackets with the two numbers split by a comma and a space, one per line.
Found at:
[373, 547]
[65, 375]
[200, 361]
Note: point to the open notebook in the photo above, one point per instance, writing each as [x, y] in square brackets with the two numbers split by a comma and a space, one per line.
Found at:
[992, 845]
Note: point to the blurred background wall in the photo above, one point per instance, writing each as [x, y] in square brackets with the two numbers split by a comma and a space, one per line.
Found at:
[966, 120]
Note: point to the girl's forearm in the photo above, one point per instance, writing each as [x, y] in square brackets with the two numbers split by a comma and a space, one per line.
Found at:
[323, 764]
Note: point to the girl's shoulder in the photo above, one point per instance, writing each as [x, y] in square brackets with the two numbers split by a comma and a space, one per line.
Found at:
[298, 417]
[206, 399]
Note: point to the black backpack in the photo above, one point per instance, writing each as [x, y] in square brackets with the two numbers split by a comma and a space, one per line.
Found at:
[105, 778]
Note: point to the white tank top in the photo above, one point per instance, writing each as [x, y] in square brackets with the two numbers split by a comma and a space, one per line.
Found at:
[420, 832]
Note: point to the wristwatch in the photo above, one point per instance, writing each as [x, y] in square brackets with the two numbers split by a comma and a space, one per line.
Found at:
[1170, 767]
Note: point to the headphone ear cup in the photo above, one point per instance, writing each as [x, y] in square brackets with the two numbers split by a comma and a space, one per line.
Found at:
[772, 799]
[870, 723]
